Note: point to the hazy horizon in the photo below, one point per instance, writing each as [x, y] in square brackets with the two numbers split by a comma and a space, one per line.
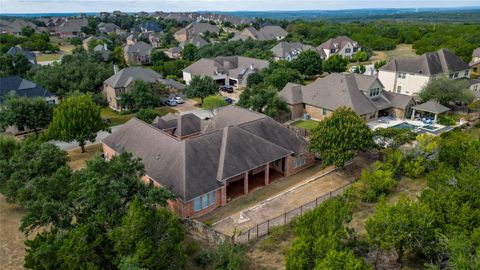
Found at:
[95, 6]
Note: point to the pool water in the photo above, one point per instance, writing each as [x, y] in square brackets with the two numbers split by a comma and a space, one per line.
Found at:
[404, 126]
[429, 127]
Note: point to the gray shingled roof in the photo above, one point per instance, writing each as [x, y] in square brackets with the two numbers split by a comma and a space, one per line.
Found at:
[337, 43]
[72, 25]
[431, 63]
[235, 66]
[22, 87]
[292, 93]
[140, 48]
[187, 124]
[31, 56]
[196, 28]
[197, 165]
[432, 107]
[128, 75]
[270, 32]
[400, 101]
[196, 40]
[283, 49]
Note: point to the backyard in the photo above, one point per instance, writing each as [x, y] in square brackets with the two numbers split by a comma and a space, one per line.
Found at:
[402, 50]
[114, 118]
[306, 124]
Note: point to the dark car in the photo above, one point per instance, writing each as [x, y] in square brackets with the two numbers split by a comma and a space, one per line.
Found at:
[171, 102]
[226, 88]
[229, 100]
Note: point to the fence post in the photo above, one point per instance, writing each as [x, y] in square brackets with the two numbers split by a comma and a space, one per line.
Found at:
[301, 210]
[248, 234]
[330, 194]
[268, 226]
[285, 218]
[257, 230]
[316, 202]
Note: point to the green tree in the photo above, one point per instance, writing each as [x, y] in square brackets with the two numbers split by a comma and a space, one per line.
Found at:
[337, 138]
[8, 145]
[213, 103]
[254, 79]
[32, 113]
[375, 182]
[281, 76]
[360, 56]
[158, 56]
[377, 65]
[76, 41]
[404, 226]
[27, 31]
[147, 115]
[144, 95]
[392, 137]
[346, 259]
[201, 87]
[360, 69]
[446, 91]
[335, 63]
[151, 237]
[78, 119]
[263, 99]
[308, 63]
[16, 64]
[229, 257]
[189, 51]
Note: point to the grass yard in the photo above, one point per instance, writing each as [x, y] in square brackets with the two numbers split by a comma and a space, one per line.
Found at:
[116, 118]
[306, 124]
[475, 132]
[49, 57]
[77, 159]
[402, 50]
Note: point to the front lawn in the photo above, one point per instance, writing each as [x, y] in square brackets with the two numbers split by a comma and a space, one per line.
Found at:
[116, 118]
[306, 124]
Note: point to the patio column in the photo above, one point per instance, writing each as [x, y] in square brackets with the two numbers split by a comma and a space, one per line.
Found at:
[435, 118]
[413, 115]
[245, 183]
[267, 174]
[224, 193]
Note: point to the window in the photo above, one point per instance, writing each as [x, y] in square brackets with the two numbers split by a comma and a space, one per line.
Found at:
[325, 111]
[466, 72]
[402, 75]
[298, 161]
[205, 201]
[450, 76]
[456, 75]
[348, 50]
[211, 198]
[399, 89]
[355, 49]
[332, 51]
[197, 204]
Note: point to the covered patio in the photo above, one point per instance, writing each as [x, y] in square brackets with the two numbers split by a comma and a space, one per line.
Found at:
[428, 112]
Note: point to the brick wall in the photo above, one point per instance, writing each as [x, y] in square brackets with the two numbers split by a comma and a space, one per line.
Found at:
[188, 210]
[316, 112]
[108, 152]
[296, 111]
[111, 95]
[289, 165]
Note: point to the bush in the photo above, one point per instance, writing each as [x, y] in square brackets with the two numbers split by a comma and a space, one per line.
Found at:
[447, 120]
[203, 260]
[414, 167]
[229, 257]
[147, 115]
[377, 181]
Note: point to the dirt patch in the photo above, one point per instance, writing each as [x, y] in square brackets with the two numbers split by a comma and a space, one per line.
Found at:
[402, 50]
[12, 248]
[77, 159]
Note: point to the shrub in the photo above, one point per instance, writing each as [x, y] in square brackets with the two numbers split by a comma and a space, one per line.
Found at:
[447, 120]
[229, 257]
[377, 181]
[414, 167]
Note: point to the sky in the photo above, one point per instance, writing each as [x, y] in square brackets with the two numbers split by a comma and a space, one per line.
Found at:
[51, 6]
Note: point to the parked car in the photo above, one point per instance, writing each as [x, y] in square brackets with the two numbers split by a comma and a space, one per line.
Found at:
[171, 102]
[179, 100]
[226, 88]
[229, 100]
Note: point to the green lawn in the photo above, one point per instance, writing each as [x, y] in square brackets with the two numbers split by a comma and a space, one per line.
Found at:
[49, 57]
[117, 119]
[306, 124]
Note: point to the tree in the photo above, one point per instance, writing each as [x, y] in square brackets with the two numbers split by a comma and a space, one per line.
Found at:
[392, 137]
[378, 180]
[360, 69]
[213, 103]
[342, 260]
[337, 138]
[281, 76]
[379, 64]
[158, 56]
[335, 63]
[147, 115]
[308, 63]
[263, 99]
[144, 95]
[76, 41]
[16, 64]
[406, 225]
[229, 257]
[27, 31]
[201, 87]
[78, 119]
[32, 113]
[254, 79]
[360, 56]
[151, 237]
[189, 51]
[446, 91]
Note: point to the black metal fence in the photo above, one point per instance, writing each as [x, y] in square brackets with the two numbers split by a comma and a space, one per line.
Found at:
[264, 228]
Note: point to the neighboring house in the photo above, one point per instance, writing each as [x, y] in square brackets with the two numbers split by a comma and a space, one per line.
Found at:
[150, 26]
[142, 14]
[289, 50]
[269, 32]
[207, 163]
[15, 27]
[23, 88]
[475, 87]
[31, 56]
[106, 28]
[225, 70]
[174, 52]
[364, 94]
[122, 81]
[131, 39]
[72, 27]
[475, 63]
[409, 75]
[197, 41]
[137, 53]
[195, 29]
[103, 50]
[341, 45]
[154, 39]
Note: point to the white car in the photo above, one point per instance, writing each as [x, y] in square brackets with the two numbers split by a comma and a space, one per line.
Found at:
[179, 100]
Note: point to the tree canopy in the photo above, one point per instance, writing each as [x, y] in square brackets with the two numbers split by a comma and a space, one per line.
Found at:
[308, 63]
[446, 91]
[264, 99]
[201, 87]
[335, 63]
[213, 103]
[32, 113]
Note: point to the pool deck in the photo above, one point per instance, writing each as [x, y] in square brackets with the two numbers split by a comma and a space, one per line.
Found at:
[386, 122]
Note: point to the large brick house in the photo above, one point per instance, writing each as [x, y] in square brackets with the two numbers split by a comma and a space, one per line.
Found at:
[364, 94]
[341, 45]
[207, 163]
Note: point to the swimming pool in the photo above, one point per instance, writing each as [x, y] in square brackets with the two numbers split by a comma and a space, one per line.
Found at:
[404, 125]
[430, 127]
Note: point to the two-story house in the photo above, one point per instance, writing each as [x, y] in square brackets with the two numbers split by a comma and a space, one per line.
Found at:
[475, 63]
[409, 75]
[137, 53]
[341, 45]
[288, 50]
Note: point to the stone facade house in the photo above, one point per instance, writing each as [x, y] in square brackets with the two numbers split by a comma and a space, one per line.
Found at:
[72, 27]
[475, 63]
[341, 45]
[122, 81]
[268, 32]
[195, 29]
[137, 53]
[225, 70]
[364, 94]
[409, 75]
[208, 163]
[289, 50]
